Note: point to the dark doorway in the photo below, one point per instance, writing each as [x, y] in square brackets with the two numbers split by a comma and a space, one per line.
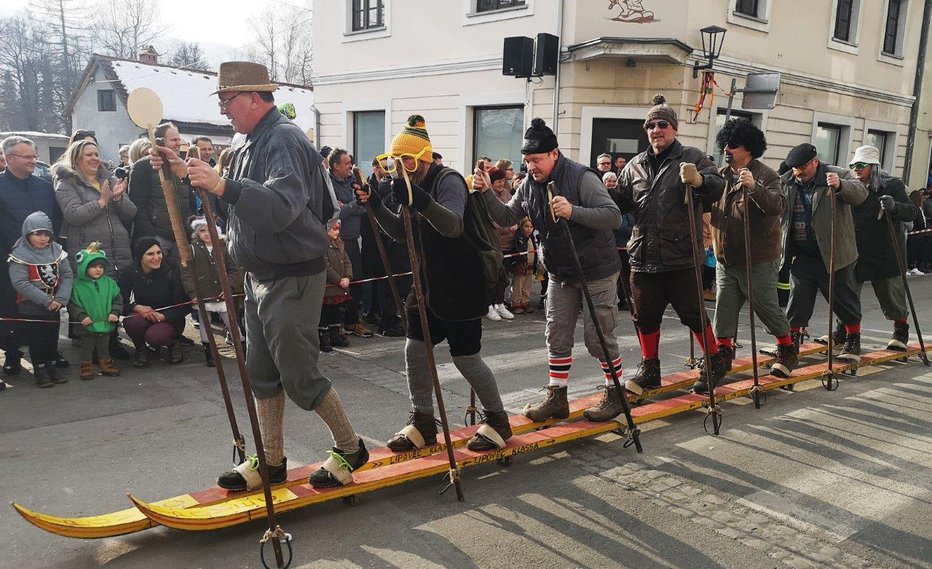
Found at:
[618, 137]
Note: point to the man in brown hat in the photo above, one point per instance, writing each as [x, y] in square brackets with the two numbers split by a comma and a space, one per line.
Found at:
[277, 204]
[661, 248]
[581, 201]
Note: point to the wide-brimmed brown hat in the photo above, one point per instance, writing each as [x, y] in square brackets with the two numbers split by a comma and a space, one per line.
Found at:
[243, 76]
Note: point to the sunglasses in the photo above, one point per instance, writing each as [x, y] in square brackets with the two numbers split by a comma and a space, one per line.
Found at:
[653, 125]
[859, 165]
[605, 163]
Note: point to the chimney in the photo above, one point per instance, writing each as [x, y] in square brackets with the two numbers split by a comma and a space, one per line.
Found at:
[149, 55]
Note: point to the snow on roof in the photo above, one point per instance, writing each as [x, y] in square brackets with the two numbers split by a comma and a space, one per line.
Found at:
[186, 94]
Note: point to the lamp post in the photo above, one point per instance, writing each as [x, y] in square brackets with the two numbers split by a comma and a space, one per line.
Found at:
[712, 39]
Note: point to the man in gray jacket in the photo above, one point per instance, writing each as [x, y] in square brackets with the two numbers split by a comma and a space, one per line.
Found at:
[277, 203]
[580, 201]
[807, 236]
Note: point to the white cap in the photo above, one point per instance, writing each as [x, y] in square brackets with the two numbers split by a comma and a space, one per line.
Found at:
[867, 154]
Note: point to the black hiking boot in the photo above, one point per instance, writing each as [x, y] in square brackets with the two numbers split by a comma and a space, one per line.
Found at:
[246, 475]
[41, 374]
[337, 339]
[900, 337]
[55, 375]
[13, 363]
[419, 431]
[174, 355]
[338, 469]
[852, 351]
[786, 360]
[609, 407]
[555, 406]
[323, 334]
[141, 357]
[717, 363]
[208, 355]
[838, 336]
[60, 361]
[728, 353]
[494, 430]
[646, 378]
[117, 351]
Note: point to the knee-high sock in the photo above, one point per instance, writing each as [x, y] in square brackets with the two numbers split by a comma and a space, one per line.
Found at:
[710, 347]
[271, 414]
[420, 386]
[481, 379]
[332, 412]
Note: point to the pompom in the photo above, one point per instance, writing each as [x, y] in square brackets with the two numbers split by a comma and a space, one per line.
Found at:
[659, 100]
[416, 121]
[538, 123]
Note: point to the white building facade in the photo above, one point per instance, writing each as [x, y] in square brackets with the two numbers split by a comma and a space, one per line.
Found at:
[848, 68]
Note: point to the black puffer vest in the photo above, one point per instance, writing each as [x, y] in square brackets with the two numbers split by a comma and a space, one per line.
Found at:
[451, 268]
[596, 248]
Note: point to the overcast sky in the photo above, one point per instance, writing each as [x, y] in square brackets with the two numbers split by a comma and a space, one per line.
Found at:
[220, 27]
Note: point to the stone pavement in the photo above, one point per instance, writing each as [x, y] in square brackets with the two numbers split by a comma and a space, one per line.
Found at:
[813, 479]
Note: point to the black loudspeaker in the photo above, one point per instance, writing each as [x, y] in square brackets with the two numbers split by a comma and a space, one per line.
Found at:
[546, 55]
[517, 56]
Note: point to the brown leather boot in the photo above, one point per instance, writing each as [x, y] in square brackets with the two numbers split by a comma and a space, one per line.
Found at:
[107, 368]
[87, 371]
[554, 406]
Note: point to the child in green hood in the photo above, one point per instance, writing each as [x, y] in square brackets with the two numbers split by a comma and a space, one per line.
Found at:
[96, 303]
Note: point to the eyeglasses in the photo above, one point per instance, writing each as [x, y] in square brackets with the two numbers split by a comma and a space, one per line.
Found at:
[224, 103]
[30, 158]
[803, 166]
[652, 125]
[390, 160]
[605, 163]
[859, 165]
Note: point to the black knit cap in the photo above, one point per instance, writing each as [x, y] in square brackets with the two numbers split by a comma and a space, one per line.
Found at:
[539, 138]
[801, 155]
[142, 245]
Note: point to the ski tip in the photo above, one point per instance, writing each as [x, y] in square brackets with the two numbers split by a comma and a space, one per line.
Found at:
[92, 527]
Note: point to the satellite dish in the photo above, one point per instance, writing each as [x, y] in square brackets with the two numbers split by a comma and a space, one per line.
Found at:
[145, 108]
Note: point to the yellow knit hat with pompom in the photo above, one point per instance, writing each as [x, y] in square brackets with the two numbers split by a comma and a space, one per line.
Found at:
[413, 140]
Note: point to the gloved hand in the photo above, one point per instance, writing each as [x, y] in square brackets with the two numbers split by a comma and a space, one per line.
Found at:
[365, 194]
[419, 198]
[887, 203]
[690, 175]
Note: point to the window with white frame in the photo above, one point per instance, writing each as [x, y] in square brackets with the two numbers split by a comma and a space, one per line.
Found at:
[498, 132]
[368, 137]
[367, 15]
[828, 142]
[751, 8]
[894, 27]
[483, 6]
[845, 28]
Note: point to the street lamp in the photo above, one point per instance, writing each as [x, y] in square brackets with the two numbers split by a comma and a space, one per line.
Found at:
[712, 38]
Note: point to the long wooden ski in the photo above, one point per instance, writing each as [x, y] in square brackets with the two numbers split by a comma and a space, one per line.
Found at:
[131, 520]
[246, 508]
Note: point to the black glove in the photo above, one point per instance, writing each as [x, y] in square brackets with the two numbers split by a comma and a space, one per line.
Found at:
[374, 200]
[420, 198]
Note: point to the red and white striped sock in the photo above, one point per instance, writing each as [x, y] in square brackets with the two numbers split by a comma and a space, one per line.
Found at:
[608, 373]
[559, 369]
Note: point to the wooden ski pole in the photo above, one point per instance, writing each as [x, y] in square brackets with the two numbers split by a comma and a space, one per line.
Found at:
[171, 200]
[756, 392]
[383, 254]
[712, 409]
[901, 263]
[632, 432]
[239, 443]
[454, 473]
[829, 381]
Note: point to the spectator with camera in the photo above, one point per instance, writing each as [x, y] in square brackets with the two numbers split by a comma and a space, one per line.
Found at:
[95, 207]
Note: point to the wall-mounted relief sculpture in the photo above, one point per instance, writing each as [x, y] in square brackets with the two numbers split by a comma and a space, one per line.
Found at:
[632, 12]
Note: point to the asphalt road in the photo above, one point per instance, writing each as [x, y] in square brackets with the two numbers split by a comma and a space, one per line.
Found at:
[813, 479]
